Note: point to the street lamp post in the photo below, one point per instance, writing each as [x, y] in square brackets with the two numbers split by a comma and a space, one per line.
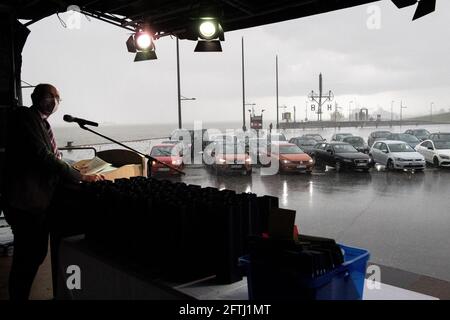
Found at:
[401, 112]
[392, 111]
[178, 82]
[180, 97]
[349, 110]
[306, 110]
[431, 111]
[276, 76]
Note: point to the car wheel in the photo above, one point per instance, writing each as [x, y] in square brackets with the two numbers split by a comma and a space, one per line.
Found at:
[436, 162]
[338, 166]
[371, 161]
[318, 164]
[390, 165]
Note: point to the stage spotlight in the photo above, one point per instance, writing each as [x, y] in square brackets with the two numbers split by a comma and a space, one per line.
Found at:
[208, 29]
[143, 45]
[209, 35]
[143, 41]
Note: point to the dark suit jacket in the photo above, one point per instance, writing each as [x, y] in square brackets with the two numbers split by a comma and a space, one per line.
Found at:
[33, 172]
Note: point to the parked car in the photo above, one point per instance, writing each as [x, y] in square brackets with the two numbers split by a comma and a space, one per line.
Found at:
[291, 158]
[439, 136]
[340, 136]
[396, 155]
[170, 153]
[377, 135]
[421, 134]
[229, 158]
[436, 152]
[358, 143]
[340, 155]
[306, 144]
[314, 136]
[409, 139]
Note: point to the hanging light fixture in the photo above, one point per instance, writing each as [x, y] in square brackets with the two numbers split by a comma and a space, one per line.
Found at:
[142, 43]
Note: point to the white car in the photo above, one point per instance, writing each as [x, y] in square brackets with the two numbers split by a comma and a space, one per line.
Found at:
[396, 155]
[436, 152]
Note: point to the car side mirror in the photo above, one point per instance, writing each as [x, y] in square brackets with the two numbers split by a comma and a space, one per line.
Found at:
[430, 148]
[329, 151]
[384, 151]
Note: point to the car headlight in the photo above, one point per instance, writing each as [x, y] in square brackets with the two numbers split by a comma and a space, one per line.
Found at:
[401, 159]
[222, 160]
[286, 161]
[153, 163]
[311, 161]
[176, 162]
[248, 160]
[443, 156]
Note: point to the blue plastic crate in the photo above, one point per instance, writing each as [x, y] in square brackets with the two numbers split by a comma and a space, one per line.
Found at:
[346, 282]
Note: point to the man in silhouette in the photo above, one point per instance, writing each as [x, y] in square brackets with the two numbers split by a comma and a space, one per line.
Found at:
[34, 172]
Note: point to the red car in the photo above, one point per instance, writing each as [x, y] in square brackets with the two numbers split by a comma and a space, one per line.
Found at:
[167, 153]
[291, 158]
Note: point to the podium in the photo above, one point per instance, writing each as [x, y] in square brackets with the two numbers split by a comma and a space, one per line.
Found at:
[114, 164]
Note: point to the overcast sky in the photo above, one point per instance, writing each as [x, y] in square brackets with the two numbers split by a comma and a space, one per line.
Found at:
[98, 80]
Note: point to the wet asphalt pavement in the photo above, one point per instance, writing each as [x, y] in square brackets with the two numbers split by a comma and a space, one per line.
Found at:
[402, 218]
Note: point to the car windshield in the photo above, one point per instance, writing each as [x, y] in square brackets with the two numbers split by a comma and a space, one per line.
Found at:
[407, 138]
[355, 141]
[442, 145]
[316, 137]
[230, 148]
[421, 132]
[309, 142]
[400, 147]
[162, 151]
[344, 148]
[290, 150]
[381, 134]
[443, 136]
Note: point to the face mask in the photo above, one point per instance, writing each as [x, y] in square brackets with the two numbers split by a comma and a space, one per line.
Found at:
[48, 106]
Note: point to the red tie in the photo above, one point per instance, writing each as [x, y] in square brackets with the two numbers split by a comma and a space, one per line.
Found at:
[52, 139]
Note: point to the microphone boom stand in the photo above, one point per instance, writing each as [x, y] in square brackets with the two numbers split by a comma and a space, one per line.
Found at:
[148, 157]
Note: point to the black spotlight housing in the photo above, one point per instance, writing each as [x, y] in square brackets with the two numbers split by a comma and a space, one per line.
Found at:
[208, 46]
[209, 32]
[424, 7]
[142, 53]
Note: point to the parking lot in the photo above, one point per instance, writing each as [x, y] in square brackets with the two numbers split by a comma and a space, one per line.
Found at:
[402, 218]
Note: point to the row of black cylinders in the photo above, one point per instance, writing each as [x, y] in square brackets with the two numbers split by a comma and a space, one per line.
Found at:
[181, 232]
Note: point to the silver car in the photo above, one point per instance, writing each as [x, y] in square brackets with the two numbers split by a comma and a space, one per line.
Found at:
[396, 155]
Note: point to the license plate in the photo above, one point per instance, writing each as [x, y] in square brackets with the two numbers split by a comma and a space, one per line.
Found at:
[235, 166]
[163, 169]
[361, 164]
[301, 166]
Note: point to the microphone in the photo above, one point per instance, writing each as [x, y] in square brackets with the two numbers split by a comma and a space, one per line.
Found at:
[81, 122]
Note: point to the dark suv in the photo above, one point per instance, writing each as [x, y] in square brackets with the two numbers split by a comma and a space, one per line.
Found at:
[340, 155]
[377, 135]
[420, 134]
